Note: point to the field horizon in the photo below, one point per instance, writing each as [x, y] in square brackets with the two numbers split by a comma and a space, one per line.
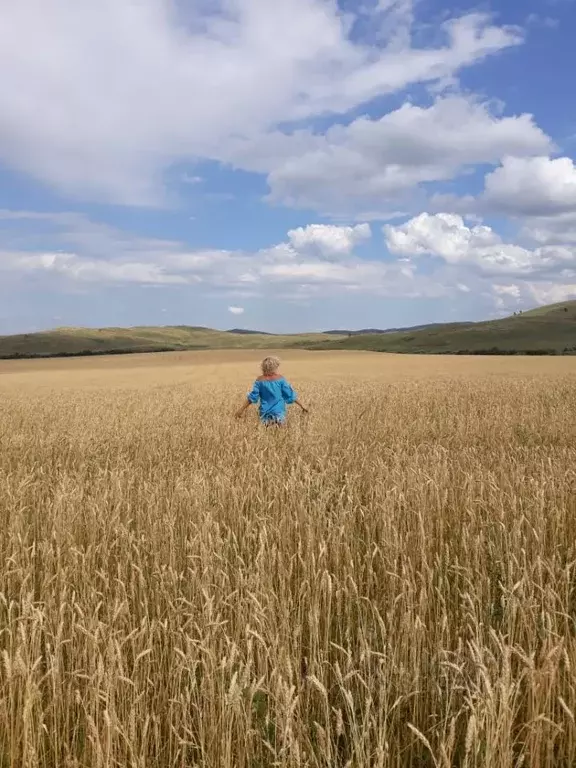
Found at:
[546, 330]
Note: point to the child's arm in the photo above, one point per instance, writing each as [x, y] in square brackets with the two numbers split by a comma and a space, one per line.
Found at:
[291, 397]
[252, 398]
[243, 410]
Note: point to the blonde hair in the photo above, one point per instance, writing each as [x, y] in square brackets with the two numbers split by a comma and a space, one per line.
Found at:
[270, 365]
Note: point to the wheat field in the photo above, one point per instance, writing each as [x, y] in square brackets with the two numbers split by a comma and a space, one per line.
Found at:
[389, 582]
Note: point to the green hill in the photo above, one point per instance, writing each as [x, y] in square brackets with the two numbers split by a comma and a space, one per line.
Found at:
[62, 342]
[546, 330]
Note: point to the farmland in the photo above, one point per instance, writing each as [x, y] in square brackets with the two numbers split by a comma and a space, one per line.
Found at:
[389, 582]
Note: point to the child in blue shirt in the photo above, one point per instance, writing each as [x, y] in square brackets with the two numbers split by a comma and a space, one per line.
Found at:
[273, 393]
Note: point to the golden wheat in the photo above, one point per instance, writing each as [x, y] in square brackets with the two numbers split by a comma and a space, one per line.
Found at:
[390, 582]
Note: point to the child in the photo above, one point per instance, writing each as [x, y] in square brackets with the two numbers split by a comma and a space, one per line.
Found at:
[273, 392]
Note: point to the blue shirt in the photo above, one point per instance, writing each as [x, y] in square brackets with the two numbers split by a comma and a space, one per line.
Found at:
[274, 395]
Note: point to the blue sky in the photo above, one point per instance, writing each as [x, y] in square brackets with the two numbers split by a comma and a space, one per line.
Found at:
[285, 166]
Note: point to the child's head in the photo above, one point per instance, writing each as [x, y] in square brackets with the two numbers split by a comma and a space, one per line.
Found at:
[270, 365]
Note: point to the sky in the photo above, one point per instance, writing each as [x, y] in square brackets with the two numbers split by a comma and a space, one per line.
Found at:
[286, 165]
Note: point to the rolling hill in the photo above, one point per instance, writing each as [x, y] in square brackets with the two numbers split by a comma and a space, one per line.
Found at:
[374, 331]
[64, 342]
[545, 330]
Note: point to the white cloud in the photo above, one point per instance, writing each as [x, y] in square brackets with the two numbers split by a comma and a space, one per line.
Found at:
[109, 95]
[506, 295]
[373, 162]
[551, 230]
[527, 293]
[539, 193]
[350, 274]
[328, 240]
[442, 234]
[507, 290]
[447, 237]
[318, 260]
[532, 186]
[552, 293]
[74, 267]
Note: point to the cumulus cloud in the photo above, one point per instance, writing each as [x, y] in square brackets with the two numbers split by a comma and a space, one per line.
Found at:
[507, 290]
[552, 293]
[442, 234]
[537, 192]
[75, 267]
[447, 237]
[532, 186]
[551, 230]
[506, 295]
[313, 259]
[527, 293]
[327, 240]
[317, 260]
[373, 161]
[155, 82]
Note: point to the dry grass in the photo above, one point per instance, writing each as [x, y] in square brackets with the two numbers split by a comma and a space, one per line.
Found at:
[389, 583]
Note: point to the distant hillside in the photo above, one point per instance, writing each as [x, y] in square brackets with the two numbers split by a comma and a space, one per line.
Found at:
[63, 342]
[546, 330]
[353, 333]
[374, 331]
